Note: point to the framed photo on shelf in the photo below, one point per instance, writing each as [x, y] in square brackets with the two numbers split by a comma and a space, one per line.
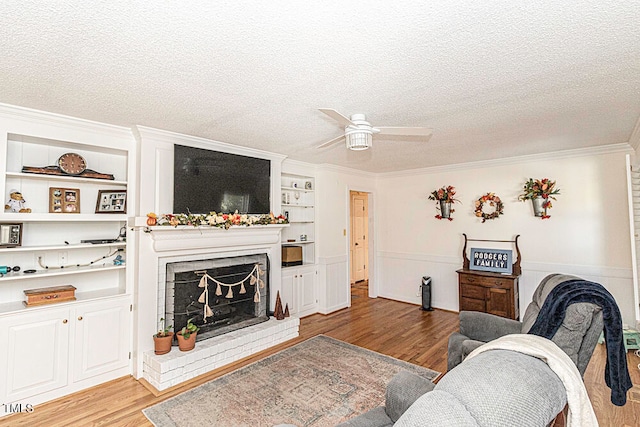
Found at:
[112, 201]
[64, 200]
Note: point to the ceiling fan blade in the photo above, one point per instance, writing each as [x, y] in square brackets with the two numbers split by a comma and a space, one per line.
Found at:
[406, 131]
[344, 121]
[331, 141]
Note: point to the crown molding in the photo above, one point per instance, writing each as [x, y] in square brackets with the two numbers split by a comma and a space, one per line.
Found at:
[328, 167]
[552, 155]
[23, 113]
[143, 133]
[634, 139]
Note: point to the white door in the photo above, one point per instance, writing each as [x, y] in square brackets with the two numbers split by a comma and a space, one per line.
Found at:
[306, 289]
[359, 224]
[35, 359]
[102, 338]
[287, 292]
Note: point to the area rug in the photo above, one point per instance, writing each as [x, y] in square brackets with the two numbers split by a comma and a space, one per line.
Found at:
[319, 382]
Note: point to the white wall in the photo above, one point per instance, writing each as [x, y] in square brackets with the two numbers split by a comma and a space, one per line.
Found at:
[586, 235]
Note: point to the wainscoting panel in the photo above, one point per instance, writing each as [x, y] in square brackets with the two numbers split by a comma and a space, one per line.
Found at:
[334, 284]
[400, 277]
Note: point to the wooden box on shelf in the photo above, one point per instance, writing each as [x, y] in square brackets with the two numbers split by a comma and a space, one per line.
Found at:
[291, 255]
[51, 295]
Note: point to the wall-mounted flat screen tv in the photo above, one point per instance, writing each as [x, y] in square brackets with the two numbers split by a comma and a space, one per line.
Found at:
[207, 180]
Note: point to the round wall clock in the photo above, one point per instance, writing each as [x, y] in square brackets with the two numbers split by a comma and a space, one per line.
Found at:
[72, 163]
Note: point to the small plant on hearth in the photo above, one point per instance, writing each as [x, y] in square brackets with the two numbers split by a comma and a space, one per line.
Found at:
[163, 340]
[187, 336]
[163, 331]
[189, 329]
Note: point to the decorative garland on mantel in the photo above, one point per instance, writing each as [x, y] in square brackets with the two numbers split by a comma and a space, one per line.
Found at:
[253, 277]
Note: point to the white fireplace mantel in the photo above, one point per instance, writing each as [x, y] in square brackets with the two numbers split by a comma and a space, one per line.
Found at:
[184, 237]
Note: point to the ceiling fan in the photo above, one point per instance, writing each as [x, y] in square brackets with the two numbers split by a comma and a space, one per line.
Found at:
[358, 132]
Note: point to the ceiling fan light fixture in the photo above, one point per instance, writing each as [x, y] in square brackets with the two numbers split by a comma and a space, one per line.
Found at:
[359, 140]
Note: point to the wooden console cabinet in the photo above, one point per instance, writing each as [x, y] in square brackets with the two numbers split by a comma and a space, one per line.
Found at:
[487, 292]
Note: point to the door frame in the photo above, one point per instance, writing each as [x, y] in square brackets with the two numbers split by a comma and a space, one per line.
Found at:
[371, 243]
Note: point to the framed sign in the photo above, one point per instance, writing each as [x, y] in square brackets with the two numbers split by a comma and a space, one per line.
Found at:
[494, 260]
[111, 201]
[64, 200]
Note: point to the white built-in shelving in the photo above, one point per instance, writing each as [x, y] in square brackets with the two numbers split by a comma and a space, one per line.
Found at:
[86, 341]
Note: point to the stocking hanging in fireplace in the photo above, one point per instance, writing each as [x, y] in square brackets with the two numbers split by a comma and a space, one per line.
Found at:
[253, 277]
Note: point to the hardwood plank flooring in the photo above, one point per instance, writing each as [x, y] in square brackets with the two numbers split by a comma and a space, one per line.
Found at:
[394, 328]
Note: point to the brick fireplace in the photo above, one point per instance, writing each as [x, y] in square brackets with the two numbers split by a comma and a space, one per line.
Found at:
[185, 254]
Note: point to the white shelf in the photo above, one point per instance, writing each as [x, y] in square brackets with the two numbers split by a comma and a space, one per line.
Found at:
[61, 217]
[69, 178]
[58, 247]
[304, 190]
[59, 272]
[17, 306]
[298, 242]
[290, 205]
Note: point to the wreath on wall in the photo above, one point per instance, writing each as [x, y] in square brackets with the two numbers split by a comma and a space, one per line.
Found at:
[494, 201]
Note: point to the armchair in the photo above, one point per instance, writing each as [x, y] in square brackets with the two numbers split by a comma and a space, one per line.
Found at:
[577, 336]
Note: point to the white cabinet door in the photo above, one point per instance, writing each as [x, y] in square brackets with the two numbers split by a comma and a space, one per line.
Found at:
[306, 290]
[287, 294]
[101, 341]
[35, 359]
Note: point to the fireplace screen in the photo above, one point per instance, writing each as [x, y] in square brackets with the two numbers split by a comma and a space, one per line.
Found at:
[220, 295]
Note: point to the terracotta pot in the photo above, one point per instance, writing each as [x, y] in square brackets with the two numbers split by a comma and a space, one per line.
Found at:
[186, 344]
[163, 344]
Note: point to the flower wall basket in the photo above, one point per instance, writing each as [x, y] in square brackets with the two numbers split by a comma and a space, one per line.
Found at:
[445, 198]
[186, 344]
[538, 207]
[445, 209]
[162, 345]
[540, 192]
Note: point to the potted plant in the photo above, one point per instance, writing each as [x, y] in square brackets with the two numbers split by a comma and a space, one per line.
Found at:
[187, 336]
[163, 339]
[444, 195]
[540, 192]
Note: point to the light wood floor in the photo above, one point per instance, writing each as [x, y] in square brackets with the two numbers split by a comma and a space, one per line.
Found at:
[390, 327]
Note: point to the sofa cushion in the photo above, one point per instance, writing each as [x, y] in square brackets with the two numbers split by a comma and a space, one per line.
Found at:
[506, 388]
[436, 408]
[402, 391]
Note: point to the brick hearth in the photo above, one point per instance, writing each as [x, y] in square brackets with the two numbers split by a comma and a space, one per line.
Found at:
[170, 369]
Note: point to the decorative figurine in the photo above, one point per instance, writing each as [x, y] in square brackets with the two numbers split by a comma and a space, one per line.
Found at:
[16, 203]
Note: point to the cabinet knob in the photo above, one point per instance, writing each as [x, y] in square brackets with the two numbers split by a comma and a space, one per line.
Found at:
[65, 321]
[79, 317]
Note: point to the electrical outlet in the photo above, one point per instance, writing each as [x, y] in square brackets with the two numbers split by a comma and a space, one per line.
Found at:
[63, 258]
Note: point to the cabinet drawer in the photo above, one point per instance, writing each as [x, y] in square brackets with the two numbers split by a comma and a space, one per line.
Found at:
[470, 304]
[489, 282]
[472, 291]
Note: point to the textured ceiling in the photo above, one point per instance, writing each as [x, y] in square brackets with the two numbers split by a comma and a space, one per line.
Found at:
[492, 78]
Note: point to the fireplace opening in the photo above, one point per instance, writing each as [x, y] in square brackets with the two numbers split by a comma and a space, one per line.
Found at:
[220, 295]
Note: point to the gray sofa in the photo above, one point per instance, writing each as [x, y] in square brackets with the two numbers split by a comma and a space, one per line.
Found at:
[494, 389]
[497, 388]
[577, 336]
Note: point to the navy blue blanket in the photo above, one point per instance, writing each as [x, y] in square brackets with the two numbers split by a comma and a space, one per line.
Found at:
[552, 314]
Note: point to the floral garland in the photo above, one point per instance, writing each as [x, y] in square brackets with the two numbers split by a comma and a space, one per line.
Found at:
[493, 201]
[214, 219]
